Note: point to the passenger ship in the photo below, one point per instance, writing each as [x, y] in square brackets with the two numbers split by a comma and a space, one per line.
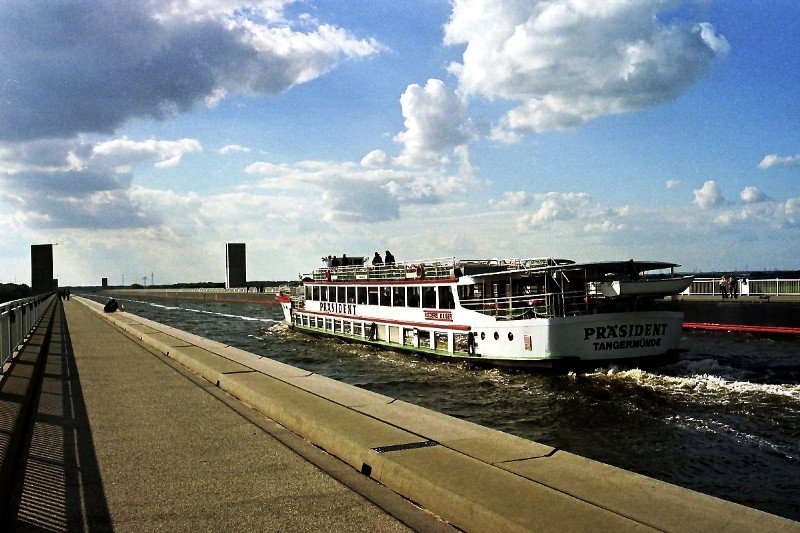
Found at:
[534, 312]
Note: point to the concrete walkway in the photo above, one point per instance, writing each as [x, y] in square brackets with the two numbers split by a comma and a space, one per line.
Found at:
[123, 440]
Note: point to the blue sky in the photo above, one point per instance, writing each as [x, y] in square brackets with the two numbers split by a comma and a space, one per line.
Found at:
[142, 137]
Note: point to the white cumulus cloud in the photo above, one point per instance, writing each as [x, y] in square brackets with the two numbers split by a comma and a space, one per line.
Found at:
[708, 195]
[123, 153]
[376, 158]
[353, 192]
[568, 61]
[228, 148]
[555, 206]
[512, 200]
[774, 160]
[752, 195]
[435, 122]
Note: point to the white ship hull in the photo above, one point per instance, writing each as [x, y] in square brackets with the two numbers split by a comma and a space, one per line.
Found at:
[530, 342]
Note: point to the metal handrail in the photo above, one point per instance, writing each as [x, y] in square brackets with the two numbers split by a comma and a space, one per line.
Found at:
[541, 305]
[18, 318]
[755, 287]
[443, 268]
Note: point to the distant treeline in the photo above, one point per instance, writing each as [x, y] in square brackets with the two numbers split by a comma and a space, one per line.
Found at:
[12, 291]
[194, 285]
[205, 285]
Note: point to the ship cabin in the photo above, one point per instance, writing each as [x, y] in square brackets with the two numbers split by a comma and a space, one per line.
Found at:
[504, 289]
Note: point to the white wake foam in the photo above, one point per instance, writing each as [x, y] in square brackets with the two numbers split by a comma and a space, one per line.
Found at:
[702, 381]
[726, 430]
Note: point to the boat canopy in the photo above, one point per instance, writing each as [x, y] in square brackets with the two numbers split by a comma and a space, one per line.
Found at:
[597, 271]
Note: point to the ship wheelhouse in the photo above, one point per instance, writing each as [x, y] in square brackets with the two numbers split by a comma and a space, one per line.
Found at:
[561, 288]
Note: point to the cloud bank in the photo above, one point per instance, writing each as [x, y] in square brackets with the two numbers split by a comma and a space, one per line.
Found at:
[91, 65]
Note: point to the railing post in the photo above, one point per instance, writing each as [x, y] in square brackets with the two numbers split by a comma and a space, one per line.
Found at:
[5, 338]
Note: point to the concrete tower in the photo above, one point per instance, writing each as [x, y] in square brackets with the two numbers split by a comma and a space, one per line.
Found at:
[42, 268]
[235, 265]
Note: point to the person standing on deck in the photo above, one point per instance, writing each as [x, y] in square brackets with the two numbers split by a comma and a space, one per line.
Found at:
[376, 259]
[723, 286]
[733, 286]
[389, 260]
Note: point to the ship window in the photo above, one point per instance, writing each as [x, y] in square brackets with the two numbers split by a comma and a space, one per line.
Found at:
[413, 296]
[429, 297]
[386, 296]
[361, 295]
[460, 342]
[372, 293]
[399, 296]
[408, 336]
[323, 295]
[315, 295]
[340, 295]
[351, 295]
[440, 340]
[424, 337]
[308, 292]
[466, 292]
[446, 298]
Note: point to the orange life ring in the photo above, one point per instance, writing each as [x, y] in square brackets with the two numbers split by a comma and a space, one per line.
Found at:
[327, 275]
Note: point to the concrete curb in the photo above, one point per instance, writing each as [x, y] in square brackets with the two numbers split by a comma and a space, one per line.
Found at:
[474, 477]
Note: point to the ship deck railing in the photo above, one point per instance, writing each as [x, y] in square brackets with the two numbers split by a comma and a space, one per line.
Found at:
[410, 270]
[745, 287]
[540, 305]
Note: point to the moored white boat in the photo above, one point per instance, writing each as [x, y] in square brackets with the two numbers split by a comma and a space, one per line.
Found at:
[645, 287]
[533, 312]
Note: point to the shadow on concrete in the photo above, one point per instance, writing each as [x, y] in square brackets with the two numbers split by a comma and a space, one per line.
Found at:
[58, 485]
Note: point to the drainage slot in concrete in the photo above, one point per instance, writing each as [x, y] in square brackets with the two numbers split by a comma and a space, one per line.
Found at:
[407, 446]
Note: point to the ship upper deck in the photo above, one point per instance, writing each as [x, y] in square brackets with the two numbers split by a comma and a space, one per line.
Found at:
[448, 268]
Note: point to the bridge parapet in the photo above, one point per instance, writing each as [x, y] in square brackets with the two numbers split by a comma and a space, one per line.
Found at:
[18, 318]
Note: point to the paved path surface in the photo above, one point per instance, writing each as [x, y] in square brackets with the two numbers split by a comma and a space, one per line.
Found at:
[122, 440]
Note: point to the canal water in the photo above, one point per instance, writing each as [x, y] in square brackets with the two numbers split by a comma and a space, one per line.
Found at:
[723, 420]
